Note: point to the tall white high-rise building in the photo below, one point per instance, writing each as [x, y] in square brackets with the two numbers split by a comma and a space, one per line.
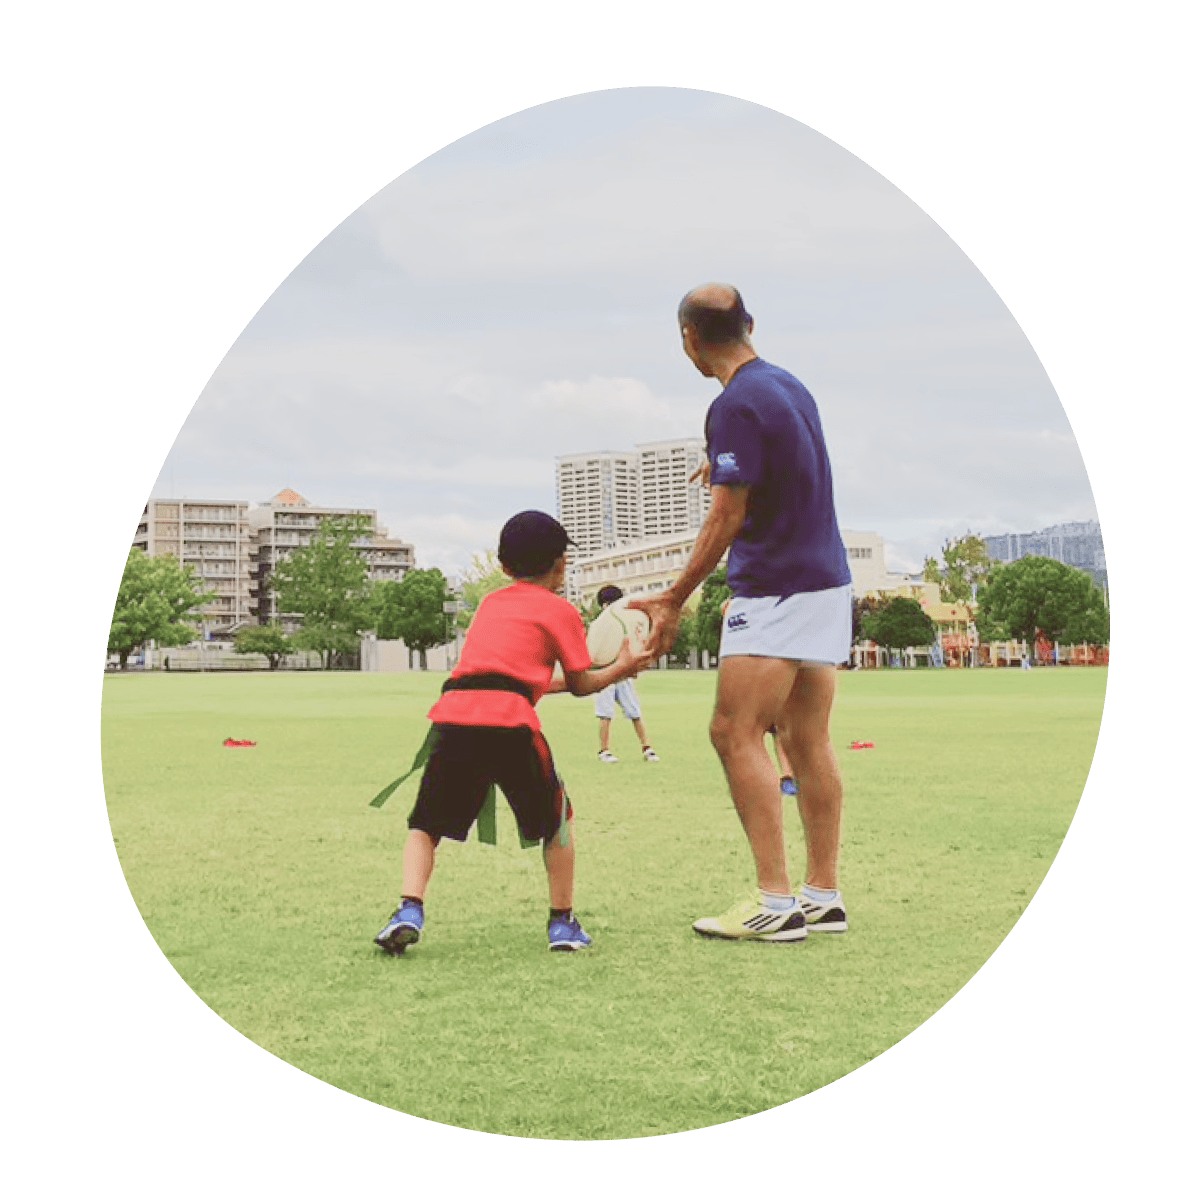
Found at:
[598, 501]
[669, 503]
[608, 498]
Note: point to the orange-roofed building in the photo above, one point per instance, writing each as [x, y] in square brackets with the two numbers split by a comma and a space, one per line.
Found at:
[288, 521]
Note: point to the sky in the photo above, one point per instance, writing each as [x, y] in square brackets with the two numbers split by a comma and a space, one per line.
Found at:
[513, 297]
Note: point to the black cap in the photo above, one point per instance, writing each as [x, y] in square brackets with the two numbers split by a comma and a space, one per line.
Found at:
[609, 594]
[531, 542]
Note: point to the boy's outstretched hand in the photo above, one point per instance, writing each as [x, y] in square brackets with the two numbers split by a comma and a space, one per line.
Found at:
[664, 615]
[630, 661]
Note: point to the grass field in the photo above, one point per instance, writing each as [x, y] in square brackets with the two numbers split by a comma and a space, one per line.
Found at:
[264, 875]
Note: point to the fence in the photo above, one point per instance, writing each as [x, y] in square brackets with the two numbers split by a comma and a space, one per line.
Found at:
[212, 658]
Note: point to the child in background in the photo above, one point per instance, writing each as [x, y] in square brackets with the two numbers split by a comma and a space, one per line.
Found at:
[622, 693]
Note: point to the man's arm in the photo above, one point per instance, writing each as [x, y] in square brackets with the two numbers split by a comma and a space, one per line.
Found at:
[723, 523]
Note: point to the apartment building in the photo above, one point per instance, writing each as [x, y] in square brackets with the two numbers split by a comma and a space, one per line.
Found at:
[1075, 543]
[288, 521]
[608, 499]
[668, 502]
[213, 537]
[598, 499]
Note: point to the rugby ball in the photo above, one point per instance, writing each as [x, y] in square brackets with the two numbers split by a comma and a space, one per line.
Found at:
[614, 624]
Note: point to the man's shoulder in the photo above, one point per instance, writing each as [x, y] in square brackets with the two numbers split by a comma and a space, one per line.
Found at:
[760, 382]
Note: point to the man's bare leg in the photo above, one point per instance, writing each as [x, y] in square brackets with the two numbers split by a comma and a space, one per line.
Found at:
[804, 729]
[751, 695]
[605, 733]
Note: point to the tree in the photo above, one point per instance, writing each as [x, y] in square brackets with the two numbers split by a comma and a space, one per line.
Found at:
[267, 640]
[590, 611]
[154, 602]
[685, 639]
[967, 567]
[326, 583]
[1035, 594]
[900, 623]
[484, 576]
[414, 612]
[713, 594]
[385, 609]
[861, 608]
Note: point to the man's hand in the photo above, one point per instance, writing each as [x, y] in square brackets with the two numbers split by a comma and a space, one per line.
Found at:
[664, 612]
[704, 474]
[721, 526]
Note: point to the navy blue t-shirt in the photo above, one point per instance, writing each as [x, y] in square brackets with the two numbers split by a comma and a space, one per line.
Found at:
[763, 431]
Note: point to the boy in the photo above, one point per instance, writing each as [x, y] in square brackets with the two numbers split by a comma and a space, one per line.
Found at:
[622, 693]
[486, 730]
[787, 781]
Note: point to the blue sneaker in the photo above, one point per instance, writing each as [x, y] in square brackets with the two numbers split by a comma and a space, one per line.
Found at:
[787, 786]
[403, 930]
[567, 934]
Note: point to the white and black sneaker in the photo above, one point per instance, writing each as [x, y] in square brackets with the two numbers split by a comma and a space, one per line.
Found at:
[751, 921]
[824, 916]
[607, 756]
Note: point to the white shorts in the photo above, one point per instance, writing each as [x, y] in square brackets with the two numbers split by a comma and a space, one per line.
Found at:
[624, 695]
[810, 627]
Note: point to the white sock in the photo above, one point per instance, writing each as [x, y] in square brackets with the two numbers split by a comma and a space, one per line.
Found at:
[775, 901]
[820, 895]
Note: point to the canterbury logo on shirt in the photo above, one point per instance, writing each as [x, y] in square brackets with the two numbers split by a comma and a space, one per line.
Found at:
[728, 459]
[738, 621]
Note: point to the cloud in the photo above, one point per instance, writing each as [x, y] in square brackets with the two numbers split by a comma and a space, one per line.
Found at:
[512, 299]
[450, 541]
[597, 413]
[789, 198]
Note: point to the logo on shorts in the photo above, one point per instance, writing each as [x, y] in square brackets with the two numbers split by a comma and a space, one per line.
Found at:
[737, 621]
[728, 459]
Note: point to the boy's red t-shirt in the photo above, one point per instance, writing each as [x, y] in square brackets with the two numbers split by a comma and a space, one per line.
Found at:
[522, 631]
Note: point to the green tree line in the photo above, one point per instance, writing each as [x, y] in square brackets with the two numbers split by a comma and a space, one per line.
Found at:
[326, 583]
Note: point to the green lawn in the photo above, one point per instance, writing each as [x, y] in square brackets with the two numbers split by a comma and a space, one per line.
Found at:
[263, 875]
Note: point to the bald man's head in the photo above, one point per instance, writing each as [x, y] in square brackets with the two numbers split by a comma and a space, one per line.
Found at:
[716, 312]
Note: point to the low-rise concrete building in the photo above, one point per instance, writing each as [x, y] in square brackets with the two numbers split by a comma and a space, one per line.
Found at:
[638, 568]
[868, 564]
[645, 565]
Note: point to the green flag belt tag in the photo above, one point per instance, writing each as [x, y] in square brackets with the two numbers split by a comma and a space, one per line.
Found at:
[421, 759]
[485, 825]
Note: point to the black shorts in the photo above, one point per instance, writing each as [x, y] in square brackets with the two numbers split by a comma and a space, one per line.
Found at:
[467, 759]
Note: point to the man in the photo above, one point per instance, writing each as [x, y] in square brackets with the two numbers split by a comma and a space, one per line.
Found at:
[624, 694]
[788, 625]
